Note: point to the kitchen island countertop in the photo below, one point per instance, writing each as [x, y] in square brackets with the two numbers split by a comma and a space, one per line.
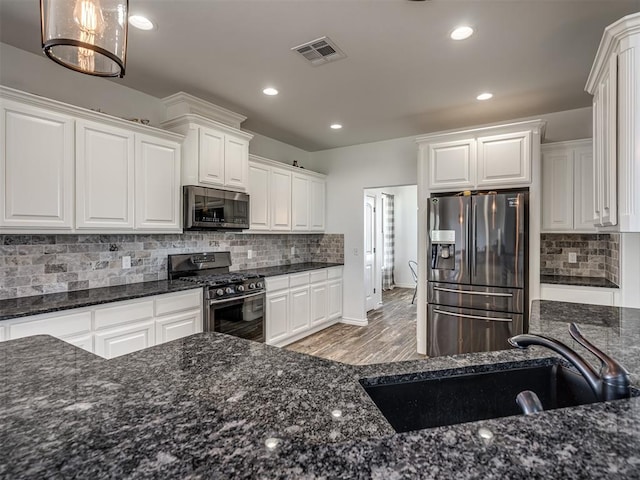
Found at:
[204, 406]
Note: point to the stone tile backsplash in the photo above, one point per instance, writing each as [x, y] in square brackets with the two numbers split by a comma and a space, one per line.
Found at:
[37, 264]
[598, 255]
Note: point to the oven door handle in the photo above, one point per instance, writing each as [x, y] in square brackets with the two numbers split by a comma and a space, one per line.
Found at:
[233, 299]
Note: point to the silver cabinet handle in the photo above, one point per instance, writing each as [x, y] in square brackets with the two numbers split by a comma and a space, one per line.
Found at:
[473, 317]
[469, 292]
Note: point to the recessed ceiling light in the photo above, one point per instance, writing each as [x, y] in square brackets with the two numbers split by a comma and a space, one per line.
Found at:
[484, 96]
[141, 22]
[270, 91]
[336, 126]
[460, 33]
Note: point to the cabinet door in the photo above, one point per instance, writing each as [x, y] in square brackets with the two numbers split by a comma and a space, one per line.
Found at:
[157, 184]
[317, 199]
[211, 157]
[277, 316]
[104, 177]
[259, 196]
[36, 168]
[504, 159]
[173, 327]
[334, 288]
[452, 165]
[122, 340]
[299, 202]
[582, 189]
[299, 319]
[236, 163]
[280, 199]
[557, 190]
[319, 303]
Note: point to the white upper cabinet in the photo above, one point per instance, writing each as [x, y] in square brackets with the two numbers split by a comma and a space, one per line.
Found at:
[87, 171]
[567, 187]
[36, 168]
[285, 198]
[104, 176]
[213, 154]
[504, 159]
[452, 164]
[280, 199]
[157, 184]
[317, 204]
[211, 157]
[482, 158]
[300, 202]
[259, 196]
[614, 82]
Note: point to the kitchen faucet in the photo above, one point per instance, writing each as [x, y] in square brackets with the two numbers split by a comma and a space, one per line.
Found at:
[613, 381]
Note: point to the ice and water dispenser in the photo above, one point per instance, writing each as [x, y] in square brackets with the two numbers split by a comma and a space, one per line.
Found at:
[443, 249]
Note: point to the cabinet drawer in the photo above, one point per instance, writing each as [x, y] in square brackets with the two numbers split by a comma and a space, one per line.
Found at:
[299, 279]
[178, 302]
[589, 295]
[123, 313]
[277, 283]
[318, 276]
[126, 339]
[334, 272]
[58, 326]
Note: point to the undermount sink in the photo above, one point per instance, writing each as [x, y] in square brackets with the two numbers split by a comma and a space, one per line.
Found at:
[447, 397]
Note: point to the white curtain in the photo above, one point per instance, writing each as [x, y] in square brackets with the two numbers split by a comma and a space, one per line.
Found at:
[388, 242]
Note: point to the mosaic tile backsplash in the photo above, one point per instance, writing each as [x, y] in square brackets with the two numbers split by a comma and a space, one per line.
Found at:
[37, 264]
[598, 255]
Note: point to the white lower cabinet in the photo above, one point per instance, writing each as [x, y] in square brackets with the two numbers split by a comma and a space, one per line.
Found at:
[118, 341]
[116, 328]
[277, 316]
[301, 304]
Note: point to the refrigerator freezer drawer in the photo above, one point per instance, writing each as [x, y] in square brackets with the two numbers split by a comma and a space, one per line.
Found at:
[451, 330]
[472, 296]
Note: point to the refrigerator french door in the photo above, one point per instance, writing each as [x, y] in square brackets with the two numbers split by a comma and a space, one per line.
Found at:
[477, 291]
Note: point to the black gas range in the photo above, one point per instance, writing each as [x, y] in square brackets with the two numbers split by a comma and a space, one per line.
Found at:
[233, 301]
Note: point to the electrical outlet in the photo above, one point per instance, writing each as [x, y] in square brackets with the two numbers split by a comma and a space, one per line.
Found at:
[573, 257]
[126, 261]
[249, 254]
[293, 250]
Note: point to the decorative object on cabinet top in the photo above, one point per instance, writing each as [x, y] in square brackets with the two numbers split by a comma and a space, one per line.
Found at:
[55, 302]
[358, 443]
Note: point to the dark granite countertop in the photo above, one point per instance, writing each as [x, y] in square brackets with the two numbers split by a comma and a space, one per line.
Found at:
[204, 406]
[578, 281]
[293, 268]
[53, 302]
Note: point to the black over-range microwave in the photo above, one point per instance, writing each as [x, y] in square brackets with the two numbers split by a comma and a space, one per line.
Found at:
[213, 209]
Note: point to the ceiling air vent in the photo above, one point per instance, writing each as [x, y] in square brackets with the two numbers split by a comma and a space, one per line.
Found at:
[319, 51]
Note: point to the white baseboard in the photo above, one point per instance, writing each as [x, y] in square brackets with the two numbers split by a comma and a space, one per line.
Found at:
[355, 321]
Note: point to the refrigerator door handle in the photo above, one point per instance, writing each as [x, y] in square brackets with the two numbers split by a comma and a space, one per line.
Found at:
[469, 292]
[473, 317]
[472, 246]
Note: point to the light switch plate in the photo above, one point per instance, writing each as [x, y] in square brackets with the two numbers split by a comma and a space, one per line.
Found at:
[573, 257]
[126, 261]
[249, 254]
[293, 250]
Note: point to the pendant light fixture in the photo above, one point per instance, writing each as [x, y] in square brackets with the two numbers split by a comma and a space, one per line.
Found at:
[88, 36]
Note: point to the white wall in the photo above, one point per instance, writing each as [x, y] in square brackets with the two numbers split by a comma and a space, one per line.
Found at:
[278, 151]
[406, 232]
[350, 170]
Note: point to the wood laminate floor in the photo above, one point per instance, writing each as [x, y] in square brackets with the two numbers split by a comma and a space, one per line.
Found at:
[389, 337]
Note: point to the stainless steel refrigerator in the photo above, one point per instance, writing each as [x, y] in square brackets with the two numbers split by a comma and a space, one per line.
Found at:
[477, 274]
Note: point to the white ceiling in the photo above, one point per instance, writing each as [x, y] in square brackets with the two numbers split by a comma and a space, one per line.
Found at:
[402, 75]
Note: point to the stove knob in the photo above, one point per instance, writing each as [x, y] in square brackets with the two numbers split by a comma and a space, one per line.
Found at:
[219, 292]
[259, 285]
[228, 290]
[241, 288]
[252, 286]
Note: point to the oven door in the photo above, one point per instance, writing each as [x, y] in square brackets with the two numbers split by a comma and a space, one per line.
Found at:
[240, 316]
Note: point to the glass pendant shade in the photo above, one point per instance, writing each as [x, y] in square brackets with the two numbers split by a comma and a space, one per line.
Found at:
[88, 36]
